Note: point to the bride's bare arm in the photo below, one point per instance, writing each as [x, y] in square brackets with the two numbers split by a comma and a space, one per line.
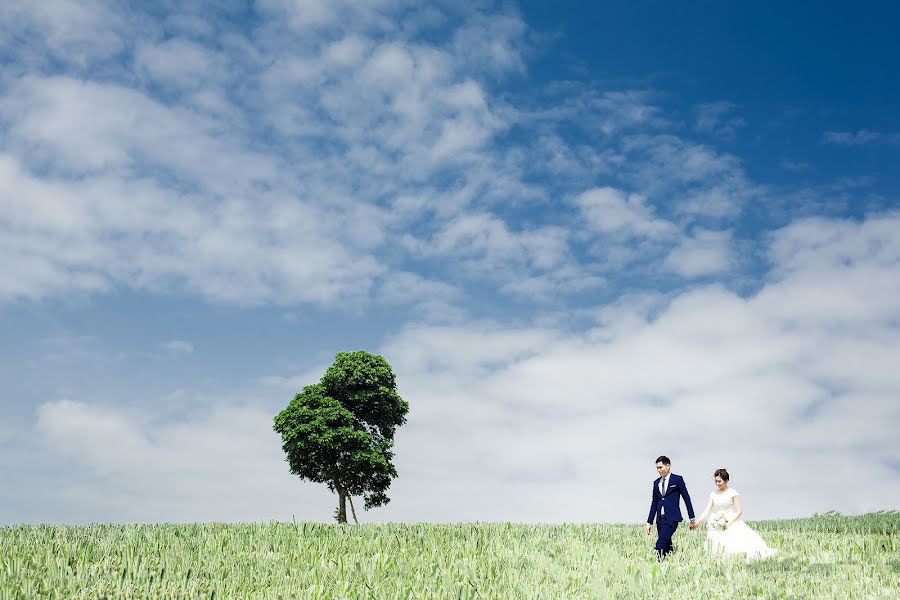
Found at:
[706, 510]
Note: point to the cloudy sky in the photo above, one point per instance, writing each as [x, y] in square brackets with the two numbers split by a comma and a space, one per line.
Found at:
[582, 236]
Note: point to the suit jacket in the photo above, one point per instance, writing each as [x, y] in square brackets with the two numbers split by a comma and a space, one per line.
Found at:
[671, 501]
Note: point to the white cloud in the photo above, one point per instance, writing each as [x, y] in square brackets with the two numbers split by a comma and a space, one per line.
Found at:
[87, 127]
[697, 180]
[794, 166]
[438, 301]
[534, 264]
[757, 394]
[557, 284]
[181, 191]
[859, 138]
[609, 210]
[491, 42]
[349, 51]
[104, 439]
[491, 247]
[820, 244]
[333, 155]
[543, 424]
[841, 273]
[704, 252]
[193, 470]
[608, 112]
[82, 236]
[717, 118]
[77, 32]
[309, 15]
[401, 287]
[179, 62]
[263, 171]
[179, 346]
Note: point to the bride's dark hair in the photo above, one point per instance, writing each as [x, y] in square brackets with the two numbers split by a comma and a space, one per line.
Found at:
[721, 473]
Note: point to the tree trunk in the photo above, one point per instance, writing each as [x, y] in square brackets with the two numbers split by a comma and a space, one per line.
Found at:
[353, 509]
[342, 506]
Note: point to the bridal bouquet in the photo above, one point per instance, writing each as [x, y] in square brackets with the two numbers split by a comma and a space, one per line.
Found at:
[720, 521]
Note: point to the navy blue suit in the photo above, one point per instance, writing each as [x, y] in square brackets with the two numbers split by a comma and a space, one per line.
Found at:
[666, 510]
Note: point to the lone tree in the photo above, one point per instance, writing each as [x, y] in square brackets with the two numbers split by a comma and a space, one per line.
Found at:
[340, 431]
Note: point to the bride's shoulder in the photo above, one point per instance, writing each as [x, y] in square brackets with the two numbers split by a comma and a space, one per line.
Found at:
[733, 492]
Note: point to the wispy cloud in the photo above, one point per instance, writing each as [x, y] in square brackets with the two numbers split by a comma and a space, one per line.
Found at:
[860, 137]
[179, 346]
[794, 166]
[697, 180]
[354, 124]
[267, 170]
[718, 118]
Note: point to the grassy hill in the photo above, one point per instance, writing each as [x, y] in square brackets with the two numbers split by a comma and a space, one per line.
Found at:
[824, 556]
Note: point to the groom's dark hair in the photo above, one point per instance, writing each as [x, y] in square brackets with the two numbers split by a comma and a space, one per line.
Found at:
[664, 460]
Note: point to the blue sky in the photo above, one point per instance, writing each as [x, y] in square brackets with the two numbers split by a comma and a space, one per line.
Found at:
[582, 235]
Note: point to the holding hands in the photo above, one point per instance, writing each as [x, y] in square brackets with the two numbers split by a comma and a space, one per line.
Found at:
[649, 527]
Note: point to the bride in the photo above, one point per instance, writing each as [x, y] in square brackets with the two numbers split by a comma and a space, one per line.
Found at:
[727, 533]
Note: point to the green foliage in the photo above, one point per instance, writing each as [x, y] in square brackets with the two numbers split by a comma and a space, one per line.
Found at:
[842, 557]
[341, 431]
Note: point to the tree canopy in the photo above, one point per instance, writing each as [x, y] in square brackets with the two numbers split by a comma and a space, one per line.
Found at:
[340, 431]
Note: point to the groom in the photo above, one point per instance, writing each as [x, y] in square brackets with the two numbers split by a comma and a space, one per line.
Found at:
[665, 506]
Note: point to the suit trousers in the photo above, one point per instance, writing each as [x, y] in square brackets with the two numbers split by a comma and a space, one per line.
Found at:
[665, 530]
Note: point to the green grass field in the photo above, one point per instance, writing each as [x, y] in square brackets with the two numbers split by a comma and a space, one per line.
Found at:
[825, 556]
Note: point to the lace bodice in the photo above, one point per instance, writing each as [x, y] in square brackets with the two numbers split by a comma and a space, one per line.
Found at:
[724, 501]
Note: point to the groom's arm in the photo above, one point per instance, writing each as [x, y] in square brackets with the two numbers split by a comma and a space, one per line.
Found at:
[654, 503]
[687, 499]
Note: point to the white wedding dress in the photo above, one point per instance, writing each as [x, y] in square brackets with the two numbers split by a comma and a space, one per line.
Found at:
[738, 538]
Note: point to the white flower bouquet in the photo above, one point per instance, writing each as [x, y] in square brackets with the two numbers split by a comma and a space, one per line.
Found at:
[720, 521]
